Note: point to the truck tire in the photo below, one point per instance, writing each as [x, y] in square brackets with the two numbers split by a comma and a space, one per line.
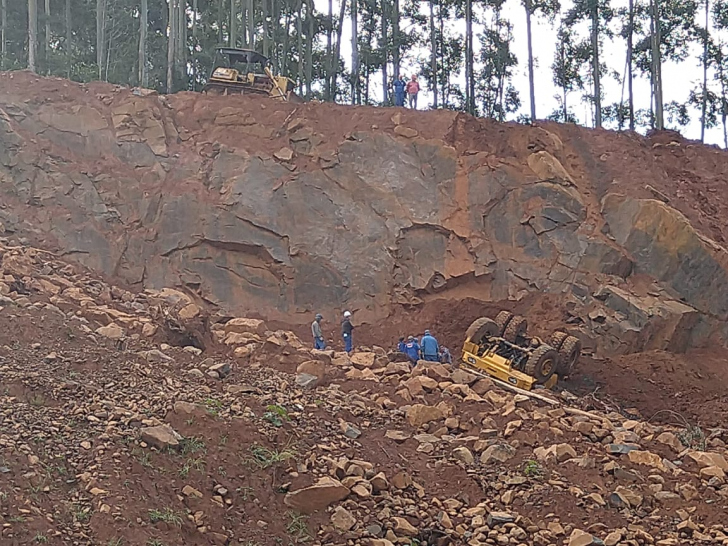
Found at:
[542, 363]
[502, 319]
[516, 329]
[569, 354]
[557, 340]
[481, 328]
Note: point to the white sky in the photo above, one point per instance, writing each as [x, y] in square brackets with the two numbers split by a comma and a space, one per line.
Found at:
[678, 80]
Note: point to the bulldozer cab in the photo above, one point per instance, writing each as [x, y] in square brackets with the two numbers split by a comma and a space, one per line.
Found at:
[246, 62]
[243, 71]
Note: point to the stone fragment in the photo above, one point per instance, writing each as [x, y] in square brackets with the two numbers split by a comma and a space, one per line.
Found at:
[406, 132]
[499, 518]
[420, 414]
[112, 331]
[499, 453]
[306, 380]
[404, 527]
[316, 497]
[284, 154]
[342, 519]
[161, 437]
[464, 455]
[222, 369]
[647, 458]
[189, 491]
[704, 459]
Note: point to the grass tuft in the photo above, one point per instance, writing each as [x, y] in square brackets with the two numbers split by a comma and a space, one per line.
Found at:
[264, 458]
[167, 516]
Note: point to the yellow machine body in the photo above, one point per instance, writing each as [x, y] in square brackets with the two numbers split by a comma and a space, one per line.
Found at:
[499, 367]
[229, 80]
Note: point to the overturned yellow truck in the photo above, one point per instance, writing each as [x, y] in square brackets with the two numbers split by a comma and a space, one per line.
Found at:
[501, 348]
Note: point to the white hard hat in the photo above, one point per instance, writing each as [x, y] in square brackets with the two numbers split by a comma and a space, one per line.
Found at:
[347, 314]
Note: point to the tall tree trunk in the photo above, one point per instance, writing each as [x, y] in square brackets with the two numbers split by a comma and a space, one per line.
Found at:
[531, 83]
[705, 71]
[220, 16]
[337, 51]
[355, 87]
[595, 64]
[266, 39]
[3, 37]
[251, 24]
[285, 54]
[657, 65]
[385, 53]
[47, 48]
[396, 60]
[299, 46]
[469, 79]
[433, 53]
[68, 46]
[181, 41]
[143, 31]
[329, 52]
[310, 37]
[630, 37]
[233, 42]
[32, 34]
[100, 35]
[172, 30]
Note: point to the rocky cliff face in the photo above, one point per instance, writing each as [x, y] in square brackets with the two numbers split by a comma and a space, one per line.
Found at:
[281, 210]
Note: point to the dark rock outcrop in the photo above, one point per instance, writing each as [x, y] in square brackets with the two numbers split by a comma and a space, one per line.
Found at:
[187, 191]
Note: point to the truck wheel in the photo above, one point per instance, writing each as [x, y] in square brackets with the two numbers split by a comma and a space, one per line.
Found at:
[542, 363]
[481, 328]
[569, 354]
[557, 340]
[502, 319]
[516, 329]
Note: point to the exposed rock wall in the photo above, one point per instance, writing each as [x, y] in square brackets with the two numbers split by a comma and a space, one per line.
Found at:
[285, 209]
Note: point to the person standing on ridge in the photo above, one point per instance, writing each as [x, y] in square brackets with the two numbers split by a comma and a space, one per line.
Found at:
[318, 336]
[399, 86]
[413, 87]
[400, 345]
[346, 332]
[430, 348]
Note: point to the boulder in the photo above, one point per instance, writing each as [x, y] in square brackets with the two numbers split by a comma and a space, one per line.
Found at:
[420, 414]
[363, 360]
[112, 331]
[245, 325]
[312, 367]
[188, 408]
[498, 453]
[342, 519]
[161, 437]
[671, 440]
[406, 132]
[189, 312]
[704, 459]
[464, 455]
[316, 497]
[582, 538]
[404, 527]
[647, 458]
[549, 169]
[222, 369]
[306, 380]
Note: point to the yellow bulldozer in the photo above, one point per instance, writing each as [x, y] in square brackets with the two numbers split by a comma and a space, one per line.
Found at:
[501, 348]
[243, 71]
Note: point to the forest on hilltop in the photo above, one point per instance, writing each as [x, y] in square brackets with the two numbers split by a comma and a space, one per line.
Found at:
[466, 66]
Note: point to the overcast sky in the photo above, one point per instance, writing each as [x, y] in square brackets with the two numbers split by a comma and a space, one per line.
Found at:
[678, 80]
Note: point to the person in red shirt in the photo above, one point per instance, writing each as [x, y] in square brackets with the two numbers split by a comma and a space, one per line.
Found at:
[413, 87]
